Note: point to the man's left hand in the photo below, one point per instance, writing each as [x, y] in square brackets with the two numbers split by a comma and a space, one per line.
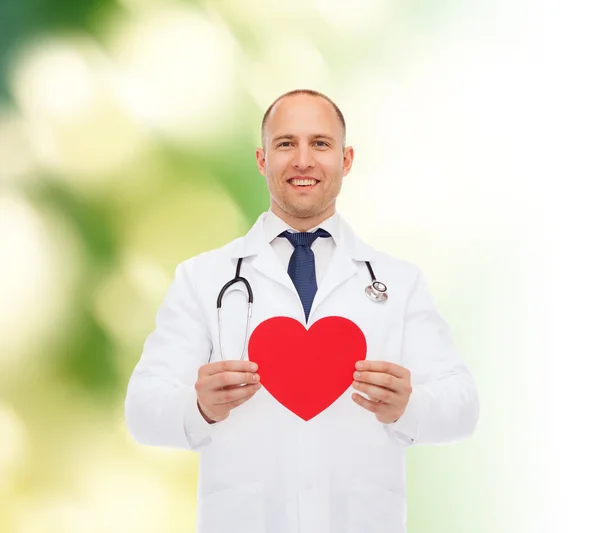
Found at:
[388, 387]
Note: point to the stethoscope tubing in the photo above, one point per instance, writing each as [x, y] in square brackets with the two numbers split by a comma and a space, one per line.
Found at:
[376, 292]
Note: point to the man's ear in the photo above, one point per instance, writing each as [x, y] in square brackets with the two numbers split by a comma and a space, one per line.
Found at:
[260, 160]
[348, 159]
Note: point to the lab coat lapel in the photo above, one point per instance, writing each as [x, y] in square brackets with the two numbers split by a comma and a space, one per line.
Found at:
[267, 263]
[254, 246]
[339, 270]
[348, 251]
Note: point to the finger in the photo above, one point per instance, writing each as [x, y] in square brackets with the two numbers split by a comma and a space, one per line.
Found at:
[233, 365]
[239, 401]
[369, 405]
[237, 385]
[387, 381]
[228, 396]
[231, 379]
[376, 392]
[383, 366]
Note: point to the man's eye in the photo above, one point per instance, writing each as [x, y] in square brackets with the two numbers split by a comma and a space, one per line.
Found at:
[321, 143]
[284, 143]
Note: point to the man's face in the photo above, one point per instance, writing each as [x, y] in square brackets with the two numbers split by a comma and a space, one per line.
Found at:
[303, 158]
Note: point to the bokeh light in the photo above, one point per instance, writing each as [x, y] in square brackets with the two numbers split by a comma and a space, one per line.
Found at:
[38, 273]
[16, 153]
[15, 446]
[79, 129]
[179, 70]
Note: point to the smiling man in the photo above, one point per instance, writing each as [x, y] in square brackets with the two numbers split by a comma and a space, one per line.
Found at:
[313, 438]
[304, 157]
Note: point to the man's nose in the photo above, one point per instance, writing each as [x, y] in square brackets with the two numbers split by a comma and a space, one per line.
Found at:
[303, 158]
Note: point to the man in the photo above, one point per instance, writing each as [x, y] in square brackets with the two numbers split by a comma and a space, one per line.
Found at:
[313, 437]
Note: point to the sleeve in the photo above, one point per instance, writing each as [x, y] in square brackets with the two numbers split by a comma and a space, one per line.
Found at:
[160, 404]
[443, 407]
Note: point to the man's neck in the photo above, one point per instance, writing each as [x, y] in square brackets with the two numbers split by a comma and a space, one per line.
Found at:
[302, 224]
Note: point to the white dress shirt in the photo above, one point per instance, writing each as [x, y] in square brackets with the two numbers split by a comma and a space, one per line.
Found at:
[323, 248]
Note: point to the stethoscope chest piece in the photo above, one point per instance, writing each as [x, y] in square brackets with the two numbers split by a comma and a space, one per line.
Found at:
[377, 291]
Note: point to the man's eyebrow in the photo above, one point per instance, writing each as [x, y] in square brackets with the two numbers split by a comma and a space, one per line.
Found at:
[280, 137]
[293, 137]
[323, 136]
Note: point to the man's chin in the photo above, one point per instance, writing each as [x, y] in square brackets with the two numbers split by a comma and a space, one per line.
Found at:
[303, 211]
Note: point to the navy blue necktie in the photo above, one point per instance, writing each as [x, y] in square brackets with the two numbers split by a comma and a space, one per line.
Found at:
[301, 267]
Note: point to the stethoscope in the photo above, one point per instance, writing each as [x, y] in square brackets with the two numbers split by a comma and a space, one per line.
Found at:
[377, 292]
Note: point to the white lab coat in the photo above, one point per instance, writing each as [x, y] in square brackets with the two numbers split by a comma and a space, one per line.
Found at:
[264, 469]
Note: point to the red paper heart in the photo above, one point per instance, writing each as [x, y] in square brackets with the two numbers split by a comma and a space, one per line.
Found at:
[306, 370]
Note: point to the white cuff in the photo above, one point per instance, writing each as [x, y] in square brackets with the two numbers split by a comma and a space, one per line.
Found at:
[405, 430]
[197, 429]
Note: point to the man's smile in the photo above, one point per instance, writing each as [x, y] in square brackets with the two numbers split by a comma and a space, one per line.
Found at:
[303, 183]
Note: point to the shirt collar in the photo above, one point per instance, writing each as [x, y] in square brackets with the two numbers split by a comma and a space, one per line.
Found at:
[273, 226]
[256, 241]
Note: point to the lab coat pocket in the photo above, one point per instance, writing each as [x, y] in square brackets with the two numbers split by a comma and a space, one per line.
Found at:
[375, 509]
[239, 508]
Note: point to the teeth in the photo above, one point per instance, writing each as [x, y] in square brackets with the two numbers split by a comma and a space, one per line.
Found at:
[303, 182]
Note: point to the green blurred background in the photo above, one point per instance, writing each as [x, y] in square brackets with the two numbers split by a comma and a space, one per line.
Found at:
[127, 138]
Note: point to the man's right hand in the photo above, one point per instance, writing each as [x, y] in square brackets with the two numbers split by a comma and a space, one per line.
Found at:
[223, 385]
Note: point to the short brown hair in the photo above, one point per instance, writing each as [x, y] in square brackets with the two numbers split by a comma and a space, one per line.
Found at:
[309, 92]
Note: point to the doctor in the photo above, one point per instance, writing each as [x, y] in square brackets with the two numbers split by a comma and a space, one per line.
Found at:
[266, 468]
